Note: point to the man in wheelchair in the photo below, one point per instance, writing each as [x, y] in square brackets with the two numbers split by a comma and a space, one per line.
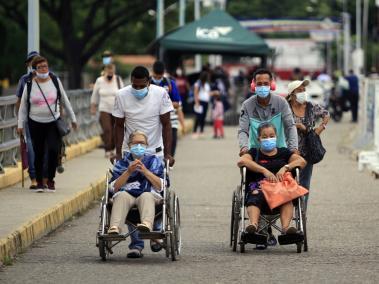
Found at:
[271, 163]
[137, 181]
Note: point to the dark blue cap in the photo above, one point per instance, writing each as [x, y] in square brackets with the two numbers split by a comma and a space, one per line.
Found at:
[31, 55]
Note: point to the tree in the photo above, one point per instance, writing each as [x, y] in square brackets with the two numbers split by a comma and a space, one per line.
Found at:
[76, 30]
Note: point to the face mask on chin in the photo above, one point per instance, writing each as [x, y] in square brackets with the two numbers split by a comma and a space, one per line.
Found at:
[42, 75]
[109, 77]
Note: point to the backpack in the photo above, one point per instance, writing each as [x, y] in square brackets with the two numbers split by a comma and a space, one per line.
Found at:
[29, 83]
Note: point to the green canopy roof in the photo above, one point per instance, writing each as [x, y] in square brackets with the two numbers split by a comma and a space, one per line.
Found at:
[215, 33]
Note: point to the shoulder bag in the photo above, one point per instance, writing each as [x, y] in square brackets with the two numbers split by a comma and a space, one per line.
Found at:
[314, 150]
[62, 126]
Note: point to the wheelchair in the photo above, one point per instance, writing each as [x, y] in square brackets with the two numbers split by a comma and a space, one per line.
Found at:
[167, 211]
[238, 235]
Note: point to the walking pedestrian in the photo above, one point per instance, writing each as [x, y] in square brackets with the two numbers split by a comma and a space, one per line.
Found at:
[103, 98]
[20, 88]
[218, 118]
[353, 94]
[305, 115]
[144, 107]
[40, 106]
[169, 85]
[202, 95]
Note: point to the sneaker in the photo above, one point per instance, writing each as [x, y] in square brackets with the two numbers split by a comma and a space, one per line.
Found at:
[271, 241]
[50, 186]
[156, 245]
[40, 187]
[260, 247]
[135, 253]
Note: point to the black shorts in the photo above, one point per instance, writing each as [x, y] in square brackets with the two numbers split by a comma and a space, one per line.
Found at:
[256, 198]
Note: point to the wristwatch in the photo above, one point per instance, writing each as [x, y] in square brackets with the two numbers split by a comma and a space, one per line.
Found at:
[288, 168]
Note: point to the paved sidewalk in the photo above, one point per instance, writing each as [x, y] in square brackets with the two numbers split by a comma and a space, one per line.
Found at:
[26, 216]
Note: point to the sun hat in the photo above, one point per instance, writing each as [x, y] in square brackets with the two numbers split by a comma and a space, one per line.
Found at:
[296, 84]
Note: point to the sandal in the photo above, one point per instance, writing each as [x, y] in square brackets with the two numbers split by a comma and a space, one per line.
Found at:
[134, 253]
[113, 230]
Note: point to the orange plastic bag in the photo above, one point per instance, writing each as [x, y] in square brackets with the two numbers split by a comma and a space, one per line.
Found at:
[279, 193]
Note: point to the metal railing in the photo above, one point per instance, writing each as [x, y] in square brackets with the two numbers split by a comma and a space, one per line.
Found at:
[9, 140]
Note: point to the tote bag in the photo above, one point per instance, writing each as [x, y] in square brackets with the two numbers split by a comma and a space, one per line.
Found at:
[278, 193]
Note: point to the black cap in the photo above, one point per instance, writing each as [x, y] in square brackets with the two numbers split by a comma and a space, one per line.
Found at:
[30, 56]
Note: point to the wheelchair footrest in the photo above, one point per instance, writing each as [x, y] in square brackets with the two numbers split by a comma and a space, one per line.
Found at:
[254, 238]
[290, 239]
[152, 235]
[113, 237]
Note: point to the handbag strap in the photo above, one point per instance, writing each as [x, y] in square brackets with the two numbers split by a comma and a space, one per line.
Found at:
[43, 95]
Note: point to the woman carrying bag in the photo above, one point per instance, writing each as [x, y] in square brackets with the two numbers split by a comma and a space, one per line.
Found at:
[40, 107]
[305, 115]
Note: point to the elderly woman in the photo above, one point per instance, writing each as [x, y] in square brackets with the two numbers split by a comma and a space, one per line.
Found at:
[40, 107]
[137, 180]
[103, 98]
[305, 115]
[268, 162]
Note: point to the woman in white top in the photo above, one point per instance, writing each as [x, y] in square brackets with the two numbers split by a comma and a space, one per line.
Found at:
[40, 108]
[103, 97]
[202, 95]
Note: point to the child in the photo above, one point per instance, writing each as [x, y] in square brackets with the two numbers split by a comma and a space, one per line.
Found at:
[218, 118]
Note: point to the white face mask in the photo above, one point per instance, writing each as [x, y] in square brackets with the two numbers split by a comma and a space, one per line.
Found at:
[301, 97]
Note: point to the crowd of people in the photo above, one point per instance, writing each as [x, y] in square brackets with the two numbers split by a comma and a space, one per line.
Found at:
[140, 125]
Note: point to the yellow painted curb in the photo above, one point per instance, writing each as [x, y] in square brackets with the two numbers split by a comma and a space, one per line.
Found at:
[12, 175]
[49, 220]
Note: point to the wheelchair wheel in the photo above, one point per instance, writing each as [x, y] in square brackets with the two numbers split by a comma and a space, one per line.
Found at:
[236, 218]
[304, 218]
[171, 237]
[103, 250]
[232, 219]
[177, 230]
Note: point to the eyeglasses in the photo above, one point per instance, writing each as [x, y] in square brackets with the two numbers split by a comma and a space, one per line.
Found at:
[42, 67]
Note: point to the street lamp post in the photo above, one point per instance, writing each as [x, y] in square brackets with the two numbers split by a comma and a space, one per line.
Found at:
[33, 25]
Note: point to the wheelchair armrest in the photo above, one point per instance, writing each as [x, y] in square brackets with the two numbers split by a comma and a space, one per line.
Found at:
[243, 174]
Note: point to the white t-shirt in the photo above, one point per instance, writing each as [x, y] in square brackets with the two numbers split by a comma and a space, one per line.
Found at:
[143, 115]
[104, 92]
[204, 91]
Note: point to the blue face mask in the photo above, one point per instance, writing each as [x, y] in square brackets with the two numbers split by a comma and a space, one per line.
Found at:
[138, 150]
[107, 60]
[141, 93]
[156, 81]
[262, 91]
[268, 144]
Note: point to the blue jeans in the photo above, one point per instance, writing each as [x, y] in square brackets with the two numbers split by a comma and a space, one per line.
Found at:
[31, 157]
[305, 179]
[136, 242]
